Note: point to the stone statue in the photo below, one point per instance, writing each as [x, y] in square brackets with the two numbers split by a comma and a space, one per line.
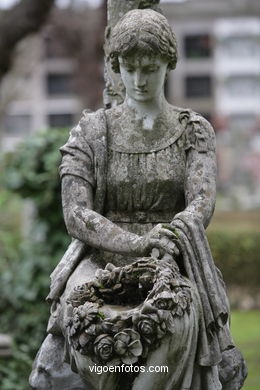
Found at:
[138, 287]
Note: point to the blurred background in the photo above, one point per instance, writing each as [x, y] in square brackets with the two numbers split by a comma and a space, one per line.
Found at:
[51, 68]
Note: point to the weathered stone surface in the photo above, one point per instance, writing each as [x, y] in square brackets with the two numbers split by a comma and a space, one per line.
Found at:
[138, 284]
[50, 372]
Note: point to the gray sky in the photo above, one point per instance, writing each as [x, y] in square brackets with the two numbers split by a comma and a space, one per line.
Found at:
[94, 3]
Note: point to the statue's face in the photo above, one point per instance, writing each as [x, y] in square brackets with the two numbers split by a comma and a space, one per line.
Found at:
[143, 77]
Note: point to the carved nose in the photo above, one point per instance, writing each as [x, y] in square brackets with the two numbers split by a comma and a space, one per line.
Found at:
[139, 79]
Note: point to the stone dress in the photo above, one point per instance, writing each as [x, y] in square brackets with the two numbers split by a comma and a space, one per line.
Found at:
[144, 188]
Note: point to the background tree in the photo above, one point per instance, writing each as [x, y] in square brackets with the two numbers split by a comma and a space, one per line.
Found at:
[27, 17]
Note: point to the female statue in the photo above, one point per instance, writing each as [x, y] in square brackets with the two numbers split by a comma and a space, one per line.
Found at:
[137, 286]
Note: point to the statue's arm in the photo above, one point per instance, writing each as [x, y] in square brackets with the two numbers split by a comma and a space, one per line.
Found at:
[200, 185]
[77, 172]
[85, 224]
[201, 173]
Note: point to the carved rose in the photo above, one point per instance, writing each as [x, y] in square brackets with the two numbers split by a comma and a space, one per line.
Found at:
[150, 327]
[127, 336]
[104, 347]
[166, 300]
[147, 327]
[128, 346]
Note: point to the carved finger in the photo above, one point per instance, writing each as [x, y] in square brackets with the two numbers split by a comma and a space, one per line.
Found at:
[168, 242]
[170, 245]
[171, 229]
[166, 232]
[175, 249]
[161, 245]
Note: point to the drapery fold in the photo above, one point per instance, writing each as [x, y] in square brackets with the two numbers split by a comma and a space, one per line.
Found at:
[214, 335]
[198, 262]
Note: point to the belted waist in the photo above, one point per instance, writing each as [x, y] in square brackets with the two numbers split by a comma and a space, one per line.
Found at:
[140, 216]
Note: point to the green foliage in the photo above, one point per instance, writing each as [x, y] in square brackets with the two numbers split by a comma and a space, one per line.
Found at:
[32, 171]
[25, 264]
[10, 220]
[24, 284]
[246, 332]
[236, 253]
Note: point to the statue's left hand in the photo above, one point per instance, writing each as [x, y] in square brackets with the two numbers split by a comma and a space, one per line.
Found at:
[162, 237]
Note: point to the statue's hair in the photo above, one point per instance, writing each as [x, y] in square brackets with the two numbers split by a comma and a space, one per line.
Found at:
[143, 31]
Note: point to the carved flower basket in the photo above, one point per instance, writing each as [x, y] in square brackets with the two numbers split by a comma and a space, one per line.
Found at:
[126, 311]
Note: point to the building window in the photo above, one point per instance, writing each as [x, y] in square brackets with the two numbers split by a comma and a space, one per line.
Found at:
[60, 120]
[198, 86]
[17, 124]
[59, 84]
[56, 47]
[242, 122]
[197, 46]
[241, 47]
[243, 86]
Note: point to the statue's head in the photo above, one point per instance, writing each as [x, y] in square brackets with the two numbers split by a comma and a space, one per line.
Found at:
[143, 32]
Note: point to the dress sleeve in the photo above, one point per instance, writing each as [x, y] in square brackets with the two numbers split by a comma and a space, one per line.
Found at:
[199, 133]
[201, 171]
[77, 153]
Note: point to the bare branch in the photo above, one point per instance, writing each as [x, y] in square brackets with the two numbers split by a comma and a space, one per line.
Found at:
[24, 18]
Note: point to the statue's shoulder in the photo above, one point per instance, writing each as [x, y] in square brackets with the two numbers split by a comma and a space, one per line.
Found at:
[198, 132]
[114, 113]
[188, 116]
[92, 125]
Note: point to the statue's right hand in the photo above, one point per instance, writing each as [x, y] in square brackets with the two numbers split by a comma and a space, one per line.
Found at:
[159, 237]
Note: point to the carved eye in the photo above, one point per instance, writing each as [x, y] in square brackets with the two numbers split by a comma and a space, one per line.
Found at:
[151, 69]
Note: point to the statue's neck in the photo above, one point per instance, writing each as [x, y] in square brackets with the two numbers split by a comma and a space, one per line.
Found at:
[128, 134]
[147, 111]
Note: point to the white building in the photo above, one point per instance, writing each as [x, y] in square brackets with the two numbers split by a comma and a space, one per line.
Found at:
[237, 69]
[42, 94]
[218, 75]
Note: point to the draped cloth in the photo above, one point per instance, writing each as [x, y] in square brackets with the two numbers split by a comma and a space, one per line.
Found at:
[87, 149]
[64, 269]
[214, 335]
[84, 155]
[212, 360]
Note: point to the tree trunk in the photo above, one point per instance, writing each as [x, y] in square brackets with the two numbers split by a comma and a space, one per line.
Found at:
[15, 24]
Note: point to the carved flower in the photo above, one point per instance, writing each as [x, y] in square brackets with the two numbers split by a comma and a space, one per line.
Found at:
[74, 323]
[128, 346]
[104, 347]
[147, 327]
[85, 343]
[184, 300]
[107, 277]
[150, 326]
[166, 300]
[88, 313]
